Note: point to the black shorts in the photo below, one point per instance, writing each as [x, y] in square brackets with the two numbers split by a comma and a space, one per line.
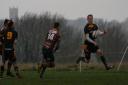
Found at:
[47, 55]
[1, 49]
[91, 47]
[8, 55]
[1, 52]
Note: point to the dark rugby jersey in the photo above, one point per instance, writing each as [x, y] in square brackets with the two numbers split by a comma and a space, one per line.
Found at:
[9, 38]
[53, 36]
[90, 28]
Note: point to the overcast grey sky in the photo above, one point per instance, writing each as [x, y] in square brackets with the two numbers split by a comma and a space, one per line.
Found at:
[71, 9]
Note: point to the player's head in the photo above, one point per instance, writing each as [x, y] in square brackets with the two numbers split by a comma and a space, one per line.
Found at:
[56, 25]
[6, 22]
[90, 18]
[10, 24]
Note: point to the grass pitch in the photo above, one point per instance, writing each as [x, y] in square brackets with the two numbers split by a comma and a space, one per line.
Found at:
[89, 77]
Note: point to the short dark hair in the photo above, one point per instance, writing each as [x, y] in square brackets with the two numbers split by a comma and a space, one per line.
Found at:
[6, 21]
[56, 24]
[90, 15]
[10, 24]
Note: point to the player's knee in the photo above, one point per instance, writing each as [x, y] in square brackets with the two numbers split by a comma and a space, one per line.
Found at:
[99, 52]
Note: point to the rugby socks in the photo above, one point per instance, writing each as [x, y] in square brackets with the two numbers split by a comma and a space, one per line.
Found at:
[42, 72]
[16, 70]
[2, 71]
[9, 68]
[104, 61]
[88, 57]
[9, 74]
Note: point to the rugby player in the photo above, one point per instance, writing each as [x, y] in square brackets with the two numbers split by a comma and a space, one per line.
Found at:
[9, 42]
[50, 46]
[91, 32]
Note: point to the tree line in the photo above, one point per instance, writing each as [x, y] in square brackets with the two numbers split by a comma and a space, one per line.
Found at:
[33, 28]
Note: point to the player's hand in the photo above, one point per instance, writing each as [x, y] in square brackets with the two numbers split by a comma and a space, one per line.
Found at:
[105, 32]
[95, 43]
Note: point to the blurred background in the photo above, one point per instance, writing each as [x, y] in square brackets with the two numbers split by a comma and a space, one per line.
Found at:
[33, 19]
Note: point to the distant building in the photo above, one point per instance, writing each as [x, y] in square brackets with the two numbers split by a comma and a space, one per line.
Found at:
[13, 13]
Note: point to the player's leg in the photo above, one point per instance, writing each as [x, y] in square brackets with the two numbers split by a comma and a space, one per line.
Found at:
[44, 62]
[83, 54]
[103, 59]
[88, 56]
[16, 69]
[81, 58]
[51, 63]
[87, 52]
[95, 49]
[4, 59]
[9, 73]
[9, 65]
[1, 71]
[48, 59]
[43, 69]
[2, 67]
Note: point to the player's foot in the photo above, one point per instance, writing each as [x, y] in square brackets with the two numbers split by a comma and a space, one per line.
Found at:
[109, 67]
[41, 76]
[10, 74]
[42, 72]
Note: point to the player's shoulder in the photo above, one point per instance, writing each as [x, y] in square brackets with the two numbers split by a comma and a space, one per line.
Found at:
[13, 30]
[95, 24]
[86, 25]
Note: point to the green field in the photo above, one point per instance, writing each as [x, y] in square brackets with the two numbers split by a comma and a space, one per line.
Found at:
[89, 77]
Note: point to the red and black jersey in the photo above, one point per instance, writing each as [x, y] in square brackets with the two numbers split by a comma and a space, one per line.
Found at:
[53, 36]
